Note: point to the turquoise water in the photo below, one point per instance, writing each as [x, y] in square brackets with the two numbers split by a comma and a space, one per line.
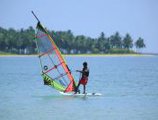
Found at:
[129, 86]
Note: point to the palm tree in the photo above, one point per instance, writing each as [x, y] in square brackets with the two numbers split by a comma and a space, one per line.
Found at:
[116, 41]
[139, 44]
[127, 42]
[100, 43]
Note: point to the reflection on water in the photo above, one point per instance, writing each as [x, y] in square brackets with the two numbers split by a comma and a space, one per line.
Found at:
[129, 86]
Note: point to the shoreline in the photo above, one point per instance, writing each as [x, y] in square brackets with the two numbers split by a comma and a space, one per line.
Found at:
[106, 55]
[85, 55]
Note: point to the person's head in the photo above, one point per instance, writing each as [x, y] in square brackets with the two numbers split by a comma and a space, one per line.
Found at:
[85, 64]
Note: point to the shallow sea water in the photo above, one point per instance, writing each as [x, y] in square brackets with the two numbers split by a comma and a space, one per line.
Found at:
[129, 86]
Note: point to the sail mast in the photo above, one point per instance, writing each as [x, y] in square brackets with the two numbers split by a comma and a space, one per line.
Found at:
[35, 16]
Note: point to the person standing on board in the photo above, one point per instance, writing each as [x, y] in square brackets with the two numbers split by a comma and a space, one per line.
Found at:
[84, 78]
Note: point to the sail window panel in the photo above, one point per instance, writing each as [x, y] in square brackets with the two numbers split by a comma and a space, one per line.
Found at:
[44, 44]
[58, 74]
[46, 63]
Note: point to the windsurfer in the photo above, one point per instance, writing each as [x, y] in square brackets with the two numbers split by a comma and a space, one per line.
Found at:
[84, 78]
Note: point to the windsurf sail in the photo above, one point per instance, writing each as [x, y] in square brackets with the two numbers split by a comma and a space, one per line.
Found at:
[55, 71]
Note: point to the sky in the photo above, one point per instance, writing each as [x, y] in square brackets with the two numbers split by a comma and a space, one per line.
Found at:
[139, 18]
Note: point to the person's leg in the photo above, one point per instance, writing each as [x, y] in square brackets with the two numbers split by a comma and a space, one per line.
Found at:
[77, 87]
[84, 89]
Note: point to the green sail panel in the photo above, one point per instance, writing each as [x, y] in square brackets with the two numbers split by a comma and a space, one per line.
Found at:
[48, 81]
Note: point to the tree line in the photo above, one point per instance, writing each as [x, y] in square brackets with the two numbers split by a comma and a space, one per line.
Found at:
[23, 42]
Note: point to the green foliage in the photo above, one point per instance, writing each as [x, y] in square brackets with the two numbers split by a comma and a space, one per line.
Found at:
[127, 42]
[22, 42]
[140, 43]
[116, 40]
[17, 41]
[121, 51]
